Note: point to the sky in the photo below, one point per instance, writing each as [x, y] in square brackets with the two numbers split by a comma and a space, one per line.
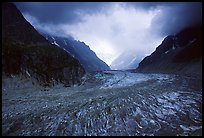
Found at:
[112, 29]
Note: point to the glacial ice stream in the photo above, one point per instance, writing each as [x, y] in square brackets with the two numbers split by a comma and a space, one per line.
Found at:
[109, 103]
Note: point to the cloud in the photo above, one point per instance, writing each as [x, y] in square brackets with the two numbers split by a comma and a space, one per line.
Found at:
[111, 29]
[59, 12]
[50, 28]
[117, 31]
[176, 16]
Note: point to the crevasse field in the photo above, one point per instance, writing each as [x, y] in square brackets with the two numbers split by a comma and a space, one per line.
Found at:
[110, 103]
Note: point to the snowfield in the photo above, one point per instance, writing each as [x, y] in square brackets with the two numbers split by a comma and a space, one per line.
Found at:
[109, 103]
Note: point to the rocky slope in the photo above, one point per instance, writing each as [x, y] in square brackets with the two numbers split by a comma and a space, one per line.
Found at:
[80, 51]
[180, 53]
[26, 52]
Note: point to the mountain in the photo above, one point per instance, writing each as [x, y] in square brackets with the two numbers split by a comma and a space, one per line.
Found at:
[126, 60]
[180, 53]
[26, 52]
[80, 51]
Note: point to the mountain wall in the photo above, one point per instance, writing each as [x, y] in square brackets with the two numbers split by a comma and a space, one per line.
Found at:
[180, 53]
[80, 51]
[26, 52]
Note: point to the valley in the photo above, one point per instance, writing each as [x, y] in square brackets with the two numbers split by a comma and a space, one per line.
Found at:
[55, 84]
[111, 103]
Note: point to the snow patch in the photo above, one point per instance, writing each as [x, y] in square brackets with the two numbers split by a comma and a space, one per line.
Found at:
[167, 52]
[192, 41]
[56, 43]
[53, 38]
[173, 47]
[27, 73]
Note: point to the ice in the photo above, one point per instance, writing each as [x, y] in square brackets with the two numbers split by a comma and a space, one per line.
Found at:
[121, 79]
[188, 129]
[128, 104]
[160, 100]
[172, 95]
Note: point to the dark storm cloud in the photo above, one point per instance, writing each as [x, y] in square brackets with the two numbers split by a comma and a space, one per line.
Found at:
[175, 17]
[59, 12]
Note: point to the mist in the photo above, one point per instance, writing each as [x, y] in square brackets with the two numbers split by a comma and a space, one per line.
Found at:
[114, 29]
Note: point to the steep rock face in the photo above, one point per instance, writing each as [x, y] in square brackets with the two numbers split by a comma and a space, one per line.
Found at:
[25, 51]
[181, 53]
[80, 51]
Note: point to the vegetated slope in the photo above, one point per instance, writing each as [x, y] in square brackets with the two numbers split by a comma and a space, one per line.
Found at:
[26, 52]
[80, 51]
[180, 53]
